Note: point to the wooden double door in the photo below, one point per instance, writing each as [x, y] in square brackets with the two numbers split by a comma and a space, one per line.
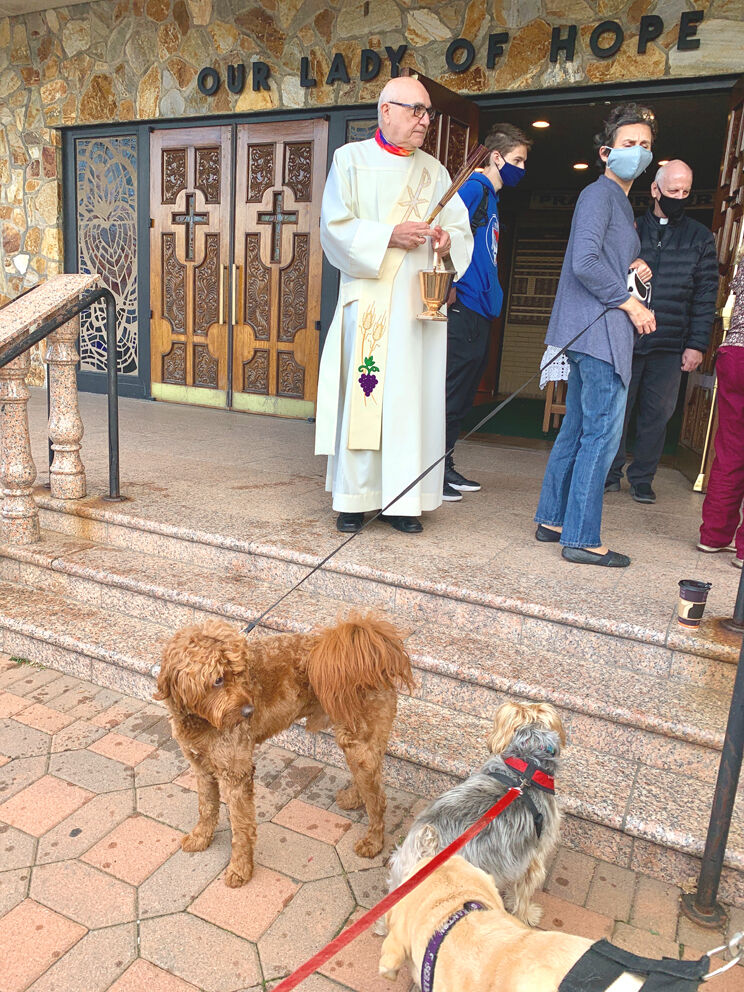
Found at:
[236, 265]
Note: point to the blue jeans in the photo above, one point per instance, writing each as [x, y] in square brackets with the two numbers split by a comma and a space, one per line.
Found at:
[573, 487]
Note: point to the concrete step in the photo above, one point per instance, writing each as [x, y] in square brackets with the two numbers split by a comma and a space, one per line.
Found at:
[598, 628]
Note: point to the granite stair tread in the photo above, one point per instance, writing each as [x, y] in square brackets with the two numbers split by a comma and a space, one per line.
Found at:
[129, 642]
[623, 695]
[233, 594]
[515, 594]
[604, 690]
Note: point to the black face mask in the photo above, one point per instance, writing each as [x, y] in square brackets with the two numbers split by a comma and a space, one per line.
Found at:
[672, 207]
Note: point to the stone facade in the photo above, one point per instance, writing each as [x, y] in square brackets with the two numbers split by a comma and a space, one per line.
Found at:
[124, 60]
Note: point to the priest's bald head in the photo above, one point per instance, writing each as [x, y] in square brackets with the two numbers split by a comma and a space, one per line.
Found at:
[401, 100]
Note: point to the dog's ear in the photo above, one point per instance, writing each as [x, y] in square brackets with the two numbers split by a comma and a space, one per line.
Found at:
[508, 717]
[171, 653]
[427, 842]
[548, 715]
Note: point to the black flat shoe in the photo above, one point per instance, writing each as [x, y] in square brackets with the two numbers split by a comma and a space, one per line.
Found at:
[547, 535]
[349, 523]
[611, 559]
[406, 525]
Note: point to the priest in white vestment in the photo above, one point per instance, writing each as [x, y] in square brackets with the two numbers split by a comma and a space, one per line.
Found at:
[381, 388]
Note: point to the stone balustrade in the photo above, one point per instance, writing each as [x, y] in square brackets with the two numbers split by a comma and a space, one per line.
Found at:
[19, 515]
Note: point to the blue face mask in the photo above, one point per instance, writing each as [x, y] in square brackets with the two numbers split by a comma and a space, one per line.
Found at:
[510, 174]
[629, 163]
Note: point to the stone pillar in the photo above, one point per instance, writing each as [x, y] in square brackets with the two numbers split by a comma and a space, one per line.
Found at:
[67, 474]
[19, 516]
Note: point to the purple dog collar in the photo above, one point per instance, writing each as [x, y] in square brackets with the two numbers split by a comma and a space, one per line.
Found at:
[432, 948]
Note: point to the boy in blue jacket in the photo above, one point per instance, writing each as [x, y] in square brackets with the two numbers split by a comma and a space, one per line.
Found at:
[478, 294]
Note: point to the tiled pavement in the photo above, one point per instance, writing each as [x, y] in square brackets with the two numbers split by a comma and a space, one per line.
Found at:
[96, 894]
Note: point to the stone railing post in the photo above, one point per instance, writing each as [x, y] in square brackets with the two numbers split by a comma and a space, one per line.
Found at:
[19, 516]
[67, 474]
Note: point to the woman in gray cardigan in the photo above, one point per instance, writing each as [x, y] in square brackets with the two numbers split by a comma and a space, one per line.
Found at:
[592, 292]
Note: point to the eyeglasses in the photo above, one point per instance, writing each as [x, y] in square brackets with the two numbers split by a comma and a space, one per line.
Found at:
[418, 109]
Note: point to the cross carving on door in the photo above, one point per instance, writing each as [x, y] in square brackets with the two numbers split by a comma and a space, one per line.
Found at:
[277, 218]
[190, 219]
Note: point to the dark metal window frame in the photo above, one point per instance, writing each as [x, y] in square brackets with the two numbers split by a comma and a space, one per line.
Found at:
[337, 117]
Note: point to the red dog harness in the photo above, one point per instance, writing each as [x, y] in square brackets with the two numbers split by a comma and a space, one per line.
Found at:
[525, 775]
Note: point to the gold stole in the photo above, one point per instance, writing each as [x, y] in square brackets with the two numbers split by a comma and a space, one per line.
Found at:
[373, 317]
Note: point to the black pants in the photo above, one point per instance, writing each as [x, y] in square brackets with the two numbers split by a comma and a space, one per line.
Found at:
[654, 386]
[467, 355]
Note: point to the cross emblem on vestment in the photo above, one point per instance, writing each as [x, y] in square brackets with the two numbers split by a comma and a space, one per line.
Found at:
[277, 218]
[411, 205]
[190, 219]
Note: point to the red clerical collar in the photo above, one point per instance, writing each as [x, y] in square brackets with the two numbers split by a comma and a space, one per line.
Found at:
[389, 146]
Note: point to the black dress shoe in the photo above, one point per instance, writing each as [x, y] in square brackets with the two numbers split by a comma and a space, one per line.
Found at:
[349, 523]
[547, 535]
[406, 525]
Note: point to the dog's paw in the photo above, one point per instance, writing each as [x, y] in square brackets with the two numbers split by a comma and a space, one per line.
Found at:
[368, 846]
[349, 798]
[196, 841]
[534, 914]
[236, 876]
[388, 970]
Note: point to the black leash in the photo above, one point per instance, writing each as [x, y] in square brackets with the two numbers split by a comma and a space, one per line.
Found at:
[409, 487]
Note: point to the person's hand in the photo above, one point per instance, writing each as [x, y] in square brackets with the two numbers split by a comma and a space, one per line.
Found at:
[643, 318]
[410, 234]
[642, 269]
[440, 240]
[691, 358]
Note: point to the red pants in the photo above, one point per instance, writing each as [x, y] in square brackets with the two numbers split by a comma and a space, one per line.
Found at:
[722, 509]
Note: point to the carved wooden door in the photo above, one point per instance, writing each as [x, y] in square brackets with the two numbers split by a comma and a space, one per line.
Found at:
[280, 174]
[700, 420]
[455, 130]
[190, 244]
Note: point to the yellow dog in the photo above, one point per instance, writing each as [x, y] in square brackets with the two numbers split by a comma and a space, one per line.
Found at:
[487, 950]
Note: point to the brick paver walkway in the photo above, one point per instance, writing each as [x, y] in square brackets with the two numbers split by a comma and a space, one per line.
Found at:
[96, 894]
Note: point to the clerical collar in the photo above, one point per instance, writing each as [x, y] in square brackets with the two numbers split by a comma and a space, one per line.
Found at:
[389, 146]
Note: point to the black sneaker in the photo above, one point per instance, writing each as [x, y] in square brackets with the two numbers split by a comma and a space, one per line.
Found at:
[450, 495]
[612, 487]
[643, 493]
[453, 478]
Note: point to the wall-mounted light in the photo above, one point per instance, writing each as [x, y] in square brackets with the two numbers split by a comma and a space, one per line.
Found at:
[541, 123]
[580, 165]
[663, 161]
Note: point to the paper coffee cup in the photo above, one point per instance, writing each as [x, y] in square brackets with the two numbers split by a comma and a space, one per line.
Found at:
[692, 599]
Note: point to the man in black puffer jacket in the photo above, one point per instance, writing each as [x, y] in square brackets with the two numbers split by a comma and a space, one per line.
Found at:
[682, 256]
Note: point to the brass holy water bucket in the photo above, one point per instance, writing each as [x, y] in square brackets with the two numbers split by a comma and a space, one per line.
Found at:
[435, 286]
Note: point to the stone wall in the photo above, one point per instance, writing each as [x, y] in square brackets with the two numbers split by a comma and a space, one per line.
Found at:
[122, 60]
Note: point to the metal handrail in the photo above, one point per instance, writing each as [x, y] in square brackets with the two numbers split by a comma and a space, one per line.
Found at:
[86, 300]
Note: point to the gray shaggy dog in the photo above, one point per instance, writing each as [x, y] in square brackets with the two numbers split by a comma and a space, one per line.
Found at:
[508, 848]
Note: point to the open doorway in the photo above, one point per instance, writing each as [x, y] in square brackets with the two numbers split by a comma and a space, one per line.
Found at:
[535, 220]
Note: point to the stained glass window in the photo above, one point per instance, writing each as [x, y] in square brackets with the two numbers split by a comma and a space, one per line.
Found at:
[106, 171]
[359, 130]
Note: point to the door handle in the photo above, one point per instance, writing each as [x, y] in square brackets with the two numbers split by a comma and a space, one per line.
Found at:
[235, 277]
[221, 305]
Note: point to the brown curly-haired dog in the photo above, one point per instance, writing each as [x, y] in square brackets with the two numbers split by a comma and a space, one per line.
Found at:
[226, 693]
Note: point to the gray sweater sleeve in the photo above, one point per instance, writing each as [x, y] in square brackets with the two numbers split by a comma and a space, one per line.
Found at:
[588, 261]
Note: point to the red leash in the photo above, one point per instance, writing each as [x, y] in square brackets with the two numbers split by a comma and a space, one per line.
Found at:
[346, 936]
